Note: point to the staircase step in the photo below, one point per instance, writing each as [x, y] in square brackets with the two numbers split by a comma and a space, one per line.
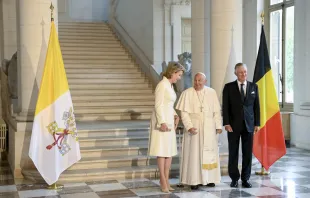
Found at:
[76, 25]
[116, 66]
[117, 162]
[94, 52]
[108, 86]
[104, 30]
[80, 40]
[73, 81]
[123, 71]
[111, 151]
[113, 109]
[125, 76]
[77, 92]
[109, 103]
[92, 45]
[103, 49]
[119, 97]
[92, 61]
[97, 57]
[111, 132]
[112, 116]
[100, 174]
[82, 34]
[113, 141]
[102, 37]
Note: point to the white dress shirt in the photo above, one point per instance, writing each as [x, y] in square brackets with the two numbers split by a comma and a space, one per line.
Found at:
[244, 86]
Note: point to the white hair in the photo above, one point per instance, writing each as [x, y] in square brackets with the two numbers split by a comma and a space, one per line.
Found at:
[201, 74]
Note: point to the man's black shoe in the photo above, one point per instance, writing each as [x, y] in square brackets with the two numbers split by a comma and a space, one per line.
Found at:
[246, 184]
[194, 187]
[234, 184]
[210, 185]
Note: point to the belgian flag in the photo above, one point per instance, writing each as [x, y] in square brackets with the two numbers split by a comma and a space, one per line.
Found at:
[269, 144]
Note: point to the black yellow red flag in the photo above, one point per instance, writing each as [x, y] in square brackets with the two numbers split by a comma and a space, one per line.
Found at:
[269, 143]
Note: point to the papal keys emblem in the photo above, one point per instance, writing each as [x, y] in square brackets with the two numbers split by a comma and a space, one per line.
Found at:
[61, 135]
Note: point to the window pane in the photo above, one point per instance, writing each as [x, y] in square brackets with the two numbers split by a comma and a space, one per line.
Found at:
[276, 49]
[289, 55]
[275, 1]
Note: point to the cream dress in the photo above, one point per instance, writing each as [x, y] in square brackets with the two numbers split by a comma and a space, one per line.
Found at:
[163, 144]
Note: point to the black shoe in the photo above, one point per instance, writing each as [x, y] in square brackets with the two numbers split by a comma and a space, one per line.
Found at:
[234, 184]
[210, 185]
[246, 184]
[194, 187]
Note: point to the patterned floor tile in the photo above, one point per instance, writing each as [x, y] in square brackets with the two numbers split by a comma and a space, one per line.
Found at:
[102, 182]
[196, 194]
[161, 196]
[9, 195]
[293, 169]
[302, 195]
[37, 193]
[116, 193]
[10, 188]
[81, 195]
[231, 193]
[107, 187]
[148, 191]
[263, 191]
[139, 184]
[75, 190]
[23, 187]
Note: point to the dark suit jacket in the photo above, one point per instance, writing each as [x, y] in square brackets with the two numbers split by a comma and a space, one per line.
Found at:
[235, 111]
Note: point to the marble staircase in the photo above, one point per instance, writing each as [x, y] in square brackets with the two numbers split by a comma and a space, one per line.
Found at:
[113, 102]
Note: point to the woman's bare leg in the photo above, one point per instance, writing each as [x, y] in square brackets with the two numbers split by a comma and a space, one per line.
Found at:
[162, 177]
[168, 161]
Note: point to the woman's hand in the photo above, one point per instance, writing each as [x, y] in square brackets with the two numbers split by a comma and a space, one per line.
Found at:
[176, 122]
[164, 128]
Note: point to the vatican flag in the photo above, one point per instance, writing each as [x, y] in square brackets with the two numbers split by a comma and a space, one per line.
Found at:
[54, 145]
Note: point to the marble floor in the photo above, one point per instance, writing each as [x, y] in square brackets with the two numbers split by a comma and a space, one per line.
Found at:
[289, 178]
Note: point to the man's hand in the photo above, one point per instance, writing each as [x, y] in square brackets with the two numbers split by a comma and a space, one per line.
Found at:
[164, 128]
[176, 122]
[193, 131]
[228, 128]
[218, 131]
[256, 129]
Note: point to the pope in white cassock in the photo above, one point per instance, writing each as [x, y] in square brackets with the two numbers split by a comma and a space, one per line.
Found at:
[201, 117]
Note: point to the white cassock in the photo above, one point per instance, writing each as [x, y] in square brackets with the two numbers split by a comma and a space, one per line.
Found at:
[200, 162]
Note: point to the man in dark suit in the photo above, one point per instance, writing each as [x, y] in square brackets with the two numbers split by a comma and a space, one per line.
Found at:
[241, 118]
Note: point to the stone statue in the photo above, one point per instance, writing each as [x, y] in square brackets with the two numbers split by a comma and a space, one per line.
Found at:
[8, 73]
[10, 69]
[185, 59]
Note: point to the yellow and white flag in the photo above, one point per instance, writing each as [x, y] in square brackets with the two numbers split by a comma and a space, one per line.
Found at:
[54, 145]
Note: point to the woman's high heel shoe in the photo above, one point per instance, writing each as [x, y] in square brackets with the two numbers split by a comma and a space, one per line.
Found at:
[165, 190]
[171, 189]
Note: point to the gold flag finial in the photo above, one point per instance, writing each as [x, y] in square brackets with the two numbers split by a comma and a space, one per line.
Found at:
[52, 12]
[262, 15]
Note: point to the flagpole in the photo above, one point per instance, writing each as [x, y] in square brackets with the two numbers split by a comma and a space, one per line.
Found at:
[262, 171]
[54, 186]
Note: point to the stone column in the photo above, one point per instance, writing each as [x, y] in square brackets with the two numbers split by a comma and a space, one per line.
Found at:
[33, 25]
[300, 120]
[212, 22]
[225, 15]
[201, 34]
[33, 29]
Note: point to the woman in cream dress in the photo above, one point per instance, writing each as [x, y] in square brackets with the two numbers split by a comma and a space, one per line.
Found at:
[164, 121]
